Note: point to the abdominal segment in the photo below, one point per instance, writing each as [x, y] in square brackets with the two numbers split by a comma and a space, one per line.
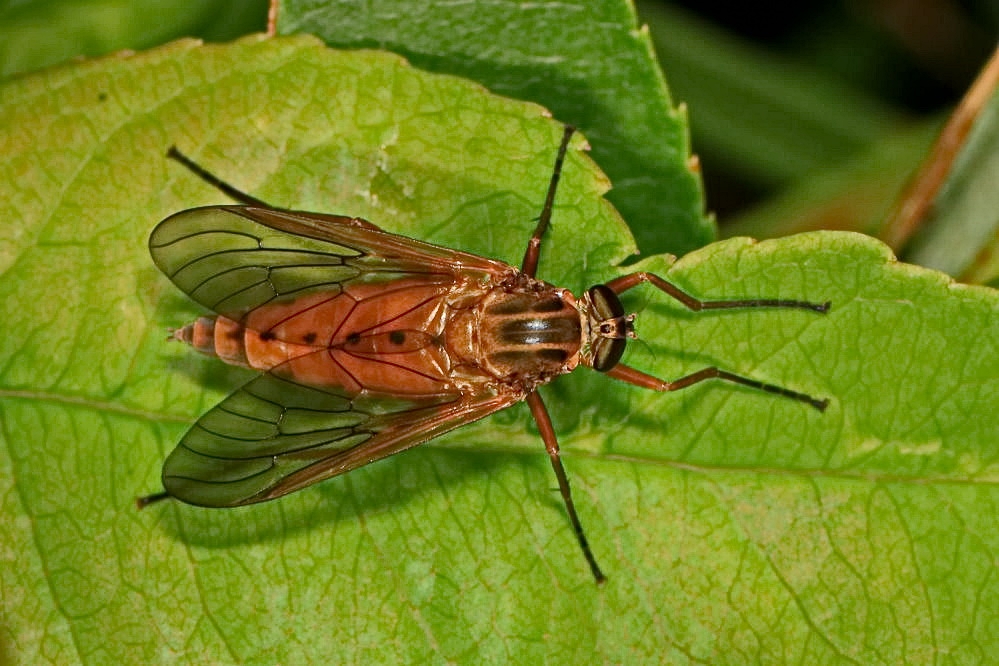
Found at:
[386, 338]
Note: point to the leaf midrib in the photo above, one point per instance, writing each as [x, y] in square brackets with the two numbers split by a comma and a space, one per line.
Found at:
[697, 468]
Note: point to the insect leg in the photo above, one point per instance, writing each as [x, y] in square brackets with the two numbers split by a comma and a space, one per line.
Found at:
[628, 374]
[146, 500]
[626, 282]
[530, 263]
[213, 180]
[544, 422]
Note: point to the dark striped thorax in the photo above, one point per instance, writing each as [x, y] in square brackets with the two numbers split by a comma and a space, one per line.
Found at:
[528, 332]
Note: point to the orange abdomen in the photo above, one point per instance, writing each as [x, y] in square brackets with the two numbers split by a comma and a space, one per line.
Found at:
[386, 338]
[407, 337]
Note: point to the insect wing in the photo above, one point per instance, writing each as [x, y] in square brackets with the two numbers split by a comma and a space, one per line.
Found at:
[233, 259]
[274, 436]
[279, 433]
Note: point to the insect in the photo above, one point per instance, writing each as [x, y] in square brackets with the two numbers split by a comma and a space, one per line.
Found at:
[370, 343]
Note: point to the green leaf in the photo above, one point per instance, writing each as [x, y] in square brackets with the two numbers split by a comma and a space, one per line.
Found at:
[38, 33]
[588, 62]
[734, 526]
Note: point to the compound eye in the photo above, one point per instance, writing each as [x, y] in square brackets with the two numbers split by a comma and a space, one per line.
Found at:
[607, 352]
[605, 303]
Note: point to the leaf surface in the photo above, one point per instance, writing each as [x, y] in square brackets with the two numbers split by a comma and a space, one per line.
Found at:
[733, 526]
[44, 32]
[588, 61]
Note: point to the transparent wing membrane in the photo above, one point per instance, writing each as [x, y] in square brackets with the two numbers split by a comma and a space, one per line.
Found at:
[233, 259]
[274, 436]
